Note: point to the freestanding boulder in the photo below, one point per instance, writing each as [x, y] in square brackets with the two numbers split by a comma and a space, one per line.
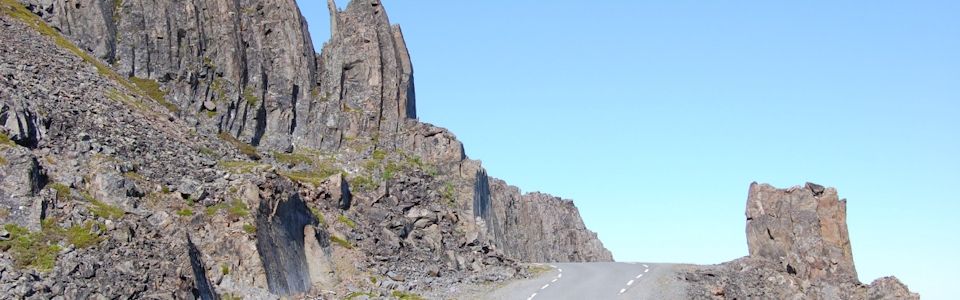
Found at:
[803, 228]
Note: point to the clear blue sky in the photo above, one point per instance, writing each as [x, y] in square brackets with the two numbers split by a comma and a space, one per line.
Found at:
[656, 116]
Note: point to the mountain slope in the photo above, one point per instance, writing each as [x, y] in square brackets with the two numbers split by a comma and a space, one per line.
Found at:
[202, 148]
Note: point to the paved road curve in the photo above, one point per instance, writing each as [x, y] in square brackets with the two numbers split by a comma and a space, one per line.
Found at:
[596, 281]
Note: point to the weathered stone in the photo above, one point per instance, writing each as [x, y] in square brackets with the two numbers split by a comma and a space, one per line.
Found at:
[21, 179]
[799, 249]
[804, 228]
[339, 190]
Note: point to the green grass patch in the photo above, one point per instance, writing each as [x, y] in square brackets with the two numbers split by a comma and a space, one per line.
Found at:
[82, 236]
[224, 269]
[186, 212]
[340, 241]
[537, 269]
[293, 158]
[134, 176]
[363, 183]
[315, 176]
[406, 295]
[234, 209]
[207, 151]
[229, 296]
[63, 191]
[33, 250]
[448, 193]
[248, 228]
[390, 169]
[238, 209]
[246, 149]
[151, 88]
[5, 140]
[379, 154]
[319, 215]
[38, 250]
[250, 97]
[103, 210]
[354, 295]
[346, 221]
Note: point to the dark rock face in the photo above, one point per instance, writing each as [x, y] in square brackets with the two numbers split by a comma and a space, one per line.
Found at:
[204, 290]
[799, 249]
[280, 241]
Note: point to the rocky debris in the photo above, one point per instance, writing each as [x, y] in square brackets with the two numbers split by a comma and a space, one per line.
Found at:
[253, 60]
[799, 249]
[889, 288]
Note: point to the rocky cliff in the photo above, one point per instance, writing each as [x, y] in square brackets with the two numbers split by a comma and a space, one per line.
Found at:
[799, 249]
[198, 149]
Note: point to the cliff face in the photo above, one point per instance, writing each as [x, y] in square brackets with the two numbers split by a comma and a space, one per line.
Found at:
[207, 145]
[247, 68]
[799, 249]
[227, 66]
[534, 226]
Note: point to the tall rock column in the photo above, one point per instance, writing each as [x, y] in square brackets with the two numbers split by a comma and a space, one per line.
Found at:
[803, 228]
[366, 80]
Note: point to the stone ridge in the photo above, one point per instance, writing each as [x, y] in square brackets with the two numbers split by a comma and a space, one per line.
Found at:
[248, 68]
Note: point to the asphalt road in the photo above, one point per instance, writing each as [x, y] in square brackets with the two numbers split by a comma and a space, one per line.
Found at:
[613, 280]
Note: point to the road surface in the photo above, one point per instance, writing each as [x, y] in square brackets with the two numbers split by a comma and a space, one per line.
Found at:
[609, 280]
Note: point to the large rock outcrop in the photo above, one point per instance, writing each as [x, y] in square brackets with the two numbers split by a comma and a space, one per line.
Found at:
[171, 149]
[248, 69]
[802, 228]
[799, 249]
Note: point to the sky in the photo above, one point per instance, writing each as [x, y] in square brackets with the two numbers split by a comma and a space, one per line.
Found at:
[655, 116]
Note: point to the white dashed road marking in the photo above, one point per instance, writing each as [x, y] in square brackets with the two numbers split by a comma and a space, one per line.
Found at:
[630, 283]
[545, 286]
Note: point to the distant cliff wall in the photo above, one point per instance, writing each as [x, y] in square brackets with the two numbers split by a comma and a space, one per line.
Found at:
[533, 227]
